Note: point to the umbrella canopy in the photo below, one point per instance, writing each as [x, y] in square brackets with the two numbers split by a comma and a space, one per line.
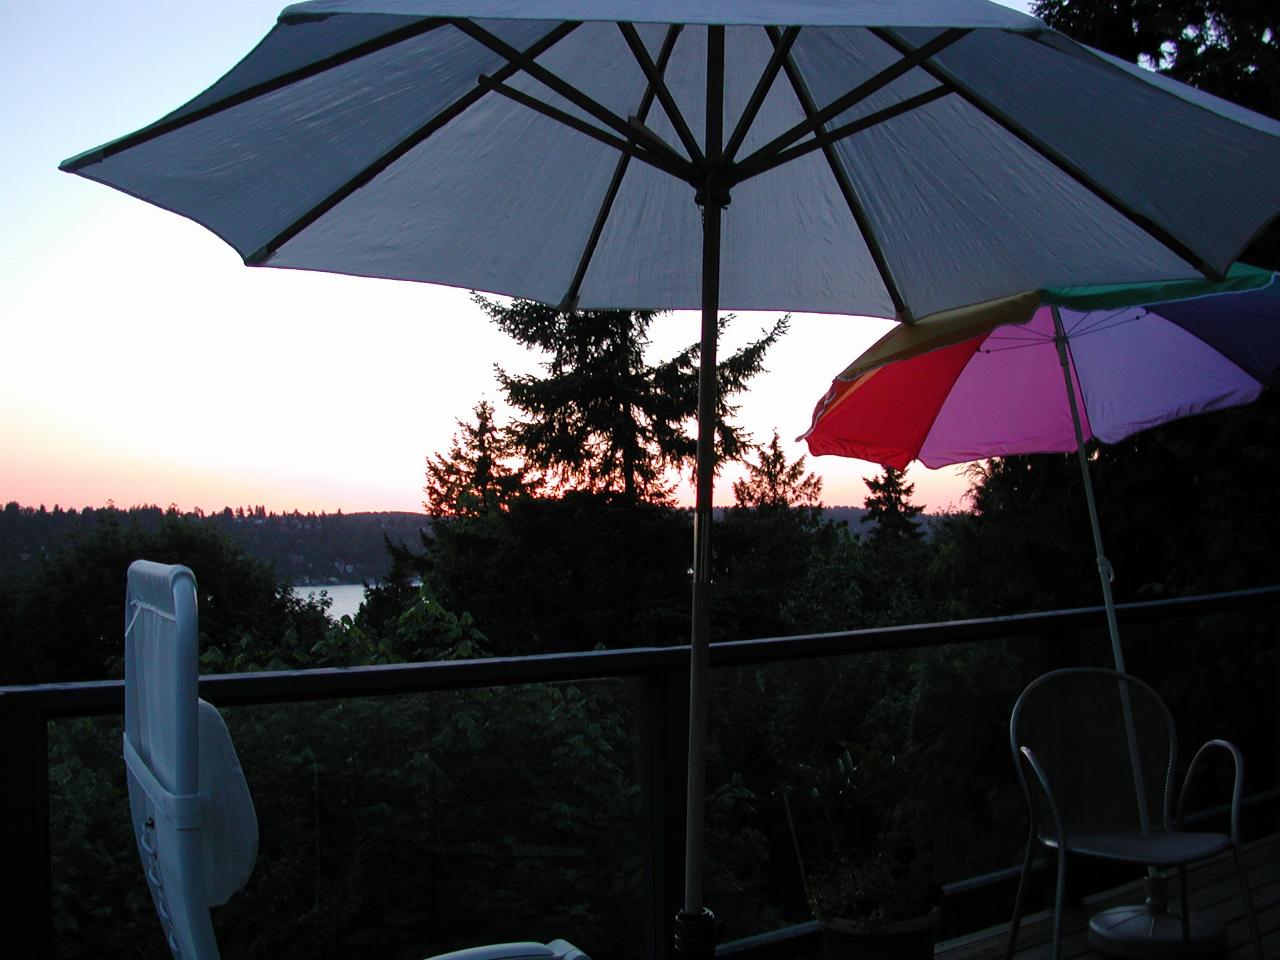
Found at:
[881, 159]
[1139, 355]
[848, 156]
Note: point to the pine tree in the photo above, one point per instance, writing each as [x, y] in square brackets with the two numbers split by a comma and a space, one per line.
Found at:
[474, 476]
[604, 419]
[773, 482]
[889, 505]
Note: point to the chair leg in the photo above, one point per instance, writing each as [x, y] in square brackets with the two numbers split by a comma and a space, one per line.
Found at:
[1059, 901]
[1248, 901]
[1020, 900]
[1184, 904]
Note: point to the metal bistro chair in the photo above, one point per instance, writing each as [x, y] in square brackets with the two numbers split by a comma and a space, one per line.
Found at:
[1095, 751]
[192, 815]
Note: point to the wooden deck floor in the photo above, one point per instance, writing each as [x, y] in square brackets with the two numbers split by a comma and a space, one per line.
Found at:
[1214, 891]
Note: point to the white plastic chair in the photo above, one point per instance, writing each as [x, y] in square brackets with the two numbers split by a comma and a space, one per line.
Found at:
[193, 818]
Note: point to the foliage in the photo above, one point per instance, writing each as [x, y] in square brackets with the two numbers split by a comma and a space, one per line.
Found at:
[604, 419]
[568, 573]
[764, 544]
[302, 547]
[65, 622]
[475, 476]
[867, 867]
[890, 885]
[1229, 48]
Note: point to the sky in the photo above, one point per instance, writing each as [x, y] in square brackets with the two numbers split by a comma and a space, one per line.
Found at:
[141, 362]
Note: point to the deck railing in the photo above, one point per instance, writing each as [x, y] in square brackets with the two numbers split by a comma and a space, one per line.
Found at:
[25, 712]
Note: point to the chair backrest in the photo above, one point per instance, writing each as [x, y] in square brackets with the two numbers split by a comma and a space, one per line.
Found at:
[192, 815]
[1106, 745]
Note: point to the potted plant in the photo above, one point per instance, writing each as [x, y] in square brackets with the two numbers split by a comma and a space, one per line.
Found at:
[868, 880]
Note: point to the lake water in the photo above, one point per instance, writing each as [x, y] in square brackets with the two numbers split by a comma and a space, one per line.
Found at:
[346, 597]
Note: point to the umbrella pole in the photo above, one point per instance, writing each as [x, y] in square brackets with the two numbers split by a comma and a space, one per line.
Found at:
[1104, 565]
[1104, 573]
[1138, 931]
[695, 932]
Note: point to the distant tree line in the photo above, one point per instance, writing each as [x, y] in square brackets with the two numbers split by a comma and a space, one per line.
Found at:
[303, 548]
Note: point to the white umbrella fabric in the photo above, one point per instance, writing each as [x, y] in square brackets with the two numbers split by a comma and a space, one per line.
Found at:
[866, 157]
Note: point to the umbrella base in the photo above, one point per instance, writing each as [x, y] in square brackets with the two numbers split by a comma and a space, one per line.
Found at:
[695, 935]
[1137, 931]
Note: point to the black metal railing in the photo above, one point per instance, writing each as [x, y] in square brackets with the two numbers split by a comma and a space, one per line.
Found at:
[25, 712]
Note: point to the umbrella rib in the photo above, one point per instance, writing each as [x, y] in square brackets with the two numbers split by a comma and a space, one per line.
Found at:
[1081, 329]
[856, 209]
[659, 87]
[817, 119]
[1032, 341]
[527, 63]
[1056, 157]
[163, 127]
[317, 210]
[606, 207]
[1024, 345]
[1108, 322]
[826, 138]
[663, 157]
[781, 50]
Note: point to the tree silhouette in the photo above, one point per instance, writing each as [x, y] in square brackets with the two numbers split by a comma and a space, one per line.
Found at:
[888, 504]
[474, 476]
[773, 482]
[603, 418]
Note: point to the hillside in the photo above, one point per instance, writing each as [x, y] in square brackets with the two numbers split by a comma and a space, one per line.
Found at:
[304, 548]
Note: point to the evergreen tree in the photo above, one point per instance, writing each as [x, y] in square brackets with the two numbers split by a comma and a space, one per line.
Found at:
[474, 476]
[773, 482]
[889, 505]
[604, 419]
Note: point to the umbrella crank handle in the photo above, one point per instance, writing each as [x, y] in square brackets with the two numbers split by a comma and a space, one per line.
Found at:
[1106, 570]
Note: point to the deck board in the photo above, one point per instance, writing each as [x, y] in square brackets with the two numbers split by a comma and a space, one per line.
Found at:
[1213, 890]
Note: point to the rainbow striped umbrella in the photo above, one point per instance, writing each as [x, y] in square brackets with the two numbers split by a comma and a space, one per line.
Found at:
[1048, 371]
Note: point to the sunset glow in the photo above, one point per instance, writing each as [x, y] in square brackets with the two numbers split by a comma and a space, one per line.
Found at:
[141, 362]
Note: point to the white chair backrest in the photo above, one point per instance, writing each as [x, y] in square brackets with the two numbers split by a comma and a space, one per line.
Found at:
[192, 814]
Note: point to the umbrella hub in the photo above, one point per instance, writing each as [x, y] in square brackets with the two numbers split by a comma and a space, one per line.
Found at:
[712, 188]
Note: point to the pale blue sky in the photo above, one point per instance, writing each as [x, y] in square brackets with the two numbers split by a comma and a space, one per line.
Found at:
[140, 361]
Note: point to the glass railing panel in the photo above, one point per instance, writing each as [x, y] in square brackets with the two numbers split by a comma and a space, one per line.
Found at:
[396, 827]
[923, 739]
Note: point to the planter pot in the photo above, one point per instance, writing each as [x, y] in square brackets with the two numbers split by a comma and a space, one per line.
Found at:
[902, 940]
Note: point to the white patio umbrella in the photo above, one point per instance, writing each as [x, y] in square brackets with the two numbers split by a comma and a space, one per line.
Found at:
[845, 156]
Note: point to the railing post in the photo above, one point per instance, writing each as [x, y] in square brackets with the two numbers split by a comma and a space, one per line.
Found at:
[663, 733]
[27, 912]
